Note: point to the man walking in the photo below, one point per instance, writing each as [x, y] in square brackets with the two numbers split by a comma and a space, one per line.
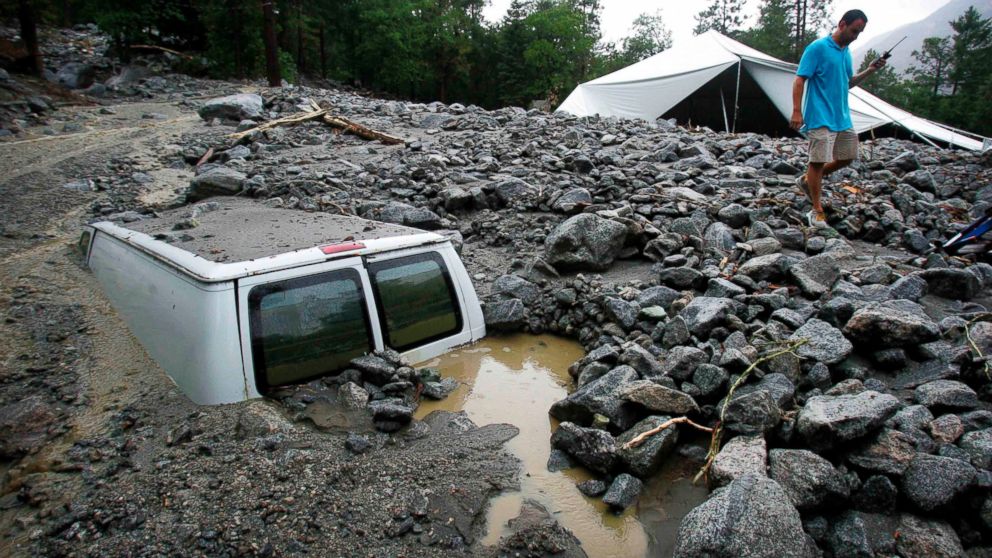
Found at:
[827, 69]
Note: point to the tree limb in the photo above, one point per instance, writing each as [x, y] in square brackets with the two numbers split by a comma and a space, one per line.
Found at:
[670, 422]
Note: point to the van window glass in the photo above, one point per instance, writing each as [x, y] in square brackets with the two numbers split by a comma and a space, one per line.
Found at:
[416, 300]
[307, 327]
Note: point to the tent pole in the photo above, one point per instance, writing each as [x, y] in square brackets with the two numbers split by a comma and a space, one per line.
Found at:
[737, 93]
[726, 125]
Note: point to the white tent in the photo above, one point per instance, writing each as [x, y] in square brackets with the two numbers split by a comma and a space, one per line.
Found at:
[671, 79]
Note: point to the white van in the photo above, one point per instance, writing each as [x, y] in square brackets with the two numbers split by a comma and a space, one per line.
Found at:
[232, 297]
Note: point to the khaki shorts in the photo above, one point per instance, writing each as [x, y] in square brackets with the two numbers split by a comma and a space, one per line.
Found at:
[826, 146]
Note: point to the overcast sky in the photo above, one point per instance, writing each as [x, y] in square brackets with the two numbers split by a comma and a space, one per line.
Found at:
[679, 15]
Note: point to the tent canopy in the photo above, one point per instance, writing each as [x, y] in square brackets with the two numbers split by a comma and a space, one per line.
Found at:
[711, 71]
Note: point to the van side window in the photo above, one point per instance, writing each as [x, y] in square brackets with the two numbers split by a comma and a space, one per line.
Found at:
[306, 327]
[417, 302]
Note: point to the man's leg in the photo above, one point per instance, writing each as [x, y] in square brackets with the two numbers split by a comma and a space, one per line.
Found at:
[835, 166]
[814, 177]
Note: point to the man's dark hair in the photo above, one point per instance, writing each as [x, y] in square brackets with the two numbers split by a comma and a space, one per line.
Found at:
[850, 16]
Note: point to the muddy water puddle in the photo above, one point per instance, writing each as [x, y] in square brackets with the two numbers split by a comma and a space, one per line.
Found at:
[515, 380]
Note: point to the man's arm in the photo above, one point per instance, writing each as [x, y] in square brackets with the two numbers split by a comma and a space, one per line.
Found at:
[875, 66]
[796, 122]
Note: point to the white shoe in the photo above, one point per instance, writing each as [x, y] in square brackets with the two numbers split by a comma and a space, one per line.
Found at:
[817, 220]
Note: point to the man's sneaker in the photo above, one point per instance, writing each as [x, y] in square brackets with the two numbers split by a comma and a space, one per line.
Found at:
[804, 186]
[817, 220]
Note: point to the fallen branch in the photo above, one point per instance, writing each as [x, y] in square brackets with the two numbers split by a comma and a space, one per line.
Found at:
[361, 131]
[670, 422]
[974, 346]
[339, 122]
[287, 120]
[163, 49]
[717, 437]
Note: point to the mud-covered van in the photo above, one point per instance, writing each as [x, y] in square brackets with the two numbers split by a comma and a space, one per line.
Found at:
[232, 297]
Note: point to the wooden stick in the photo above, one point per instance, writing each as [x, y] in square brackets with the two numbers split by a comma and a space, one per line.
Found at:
[361, 131]
[163, 49]
[718, 431]
[645, 435]
[294, 119]
[206, 157]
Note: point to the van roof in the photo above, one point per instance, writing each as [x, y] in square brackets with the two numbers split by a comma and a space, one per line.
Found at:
[236, 237]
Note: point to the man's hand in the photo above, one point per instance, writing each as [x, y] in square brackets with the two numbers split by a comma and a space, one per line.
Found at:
[878, 64]
[796, 122]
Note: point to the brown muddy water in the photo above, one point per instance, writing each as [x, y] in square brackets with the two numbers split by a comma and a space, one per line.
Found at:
[514, 380]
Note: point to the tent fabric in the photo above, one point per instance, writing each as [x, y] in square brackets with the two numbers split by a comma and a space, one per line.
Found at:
[651, 87]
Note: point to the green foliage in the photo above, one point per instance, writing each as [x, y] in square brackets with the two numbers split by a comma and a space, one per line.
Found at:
[884, 83]
[723, 16]
[786, 27]
[648, 37]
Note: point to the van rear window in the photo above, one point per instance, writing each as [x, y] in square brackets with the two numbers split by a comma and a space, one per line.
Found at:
[307, 327]
[417, 301]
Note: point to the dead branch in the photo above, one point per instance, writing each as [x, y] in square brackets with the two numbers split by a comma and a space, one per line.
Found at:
[206, 157]
[361, 131]
[338, 122]
[717, 437]
[162, 49]
[670, 422]
[287, 120]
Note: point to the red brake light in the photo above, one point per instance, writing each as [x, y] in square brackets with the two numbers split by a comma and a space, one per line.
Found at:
[338, 248]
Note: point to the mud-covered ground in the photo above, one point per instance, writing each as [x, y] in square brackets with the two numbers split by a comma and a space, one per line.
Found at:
[96, 439]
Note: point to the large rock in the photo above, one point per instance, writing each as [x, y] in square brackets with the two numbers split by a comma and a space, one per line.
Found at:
[682, 361]
[705, 313]
[749, 518]
[743, 455]
[827, 420]
[658, 399]
[504, 315]
[955, 284]
[946, 394]
[932, 481]
[825, 343]
[927, 538]
[514, 286]
[816, 275]
[623, 492]
[640, 359]
[595, 449]
[645, 459]
[233, 107]
[76, 75]
[514, 191]
[763, 268]
[600, 396]
[218, 181]
[752, 413]
[894, 323]
[808, 479]
[24, 426]
[585, 241]
[890, 451]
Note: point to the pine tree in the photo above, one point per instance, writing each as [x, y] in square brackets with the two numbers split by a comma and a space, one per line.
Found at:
[723, 16]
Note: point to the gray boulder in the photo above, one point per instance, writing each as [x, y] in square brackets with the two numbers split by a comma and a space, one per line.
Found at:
[640, 359]
[932, 481]
[658, 399]
[955, 284]
[623, 492]
[681, 361]
[232, 107]
[514, 191]
[827, 420]
[572, 201]
[743, 455]
[749, 518]
[927, 538]
[894, 323]
[815, 275]
[946, 394]
[890, 451]
[514, 286]
[585, 241]
[705, 313]
[217, 181]
[825, 344]
[595, 449]
[752, 413]
[76, 75]
[620, 312]
[808, 479]
[600, 396]
[978, 444]
[504, 315]
[763, 268]
[645, 459]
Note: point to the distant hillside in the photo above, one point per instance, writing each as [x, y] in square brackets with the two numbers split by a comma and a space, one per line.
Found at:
[933, 25]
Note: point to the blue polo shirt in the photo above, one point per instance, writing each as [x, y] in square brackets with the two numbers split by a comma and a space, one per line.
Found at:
[828, 70]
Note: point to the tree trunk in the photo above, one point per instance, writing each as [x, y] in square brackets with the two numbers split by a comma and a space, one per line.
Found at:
[29, 33]
[323, 52]
[300, 62]
[271, 48]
